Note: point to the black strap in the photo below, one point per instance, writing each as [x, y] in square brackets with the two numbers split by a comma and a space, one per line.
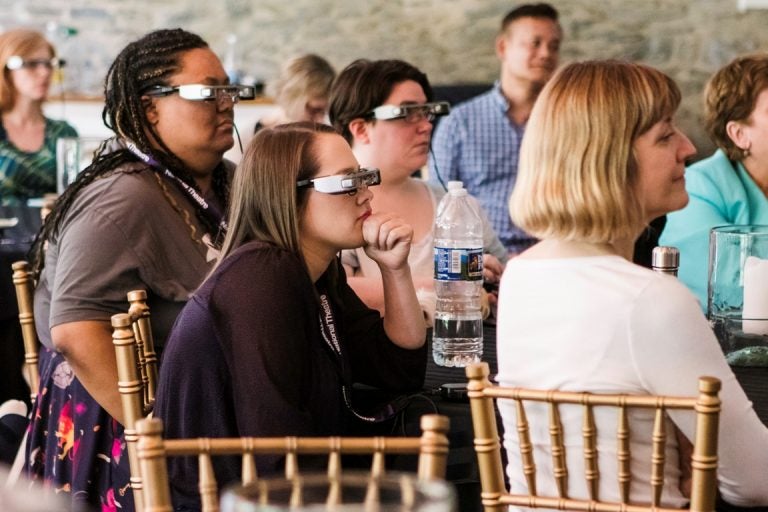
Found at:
[331, 335]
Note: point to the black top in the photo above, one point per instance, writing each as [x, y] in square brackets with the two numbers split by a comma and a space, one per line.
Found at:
[247, 357]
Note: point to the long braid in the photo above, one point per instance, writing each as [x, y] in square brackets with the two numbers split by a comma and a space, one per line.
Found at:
[145, 63]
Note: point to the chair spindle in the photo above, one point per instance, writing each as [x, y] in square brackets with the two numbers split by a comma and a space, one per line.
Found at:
[558, 449]
[624, 455]
[591, 472]
[22, 280]
[658, 455]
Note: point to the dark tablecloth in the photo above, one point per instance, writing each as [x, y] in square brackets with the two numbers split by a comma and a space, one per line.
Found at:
[462, 470]
[14, 245]
[754, 381]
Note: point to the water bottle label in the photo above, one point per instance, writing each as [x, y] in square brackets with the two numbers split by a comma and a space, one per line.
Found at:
[453, 264]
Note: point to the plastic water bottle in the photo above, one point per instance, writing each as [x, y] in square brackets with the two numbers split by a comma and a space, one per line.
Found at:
[457, 339]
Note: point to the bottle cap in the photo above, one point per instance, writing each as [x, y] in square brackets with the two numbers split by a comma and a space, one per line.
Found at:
[453, 185]
[665, 257]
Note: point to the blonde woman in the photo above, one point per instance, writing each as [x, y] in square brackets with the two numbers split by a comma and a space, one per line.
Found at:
[602, 156]
[300, 91]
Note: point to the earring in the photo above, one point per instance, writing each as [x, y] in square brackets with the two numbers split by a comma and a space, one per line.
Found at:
[745, 153]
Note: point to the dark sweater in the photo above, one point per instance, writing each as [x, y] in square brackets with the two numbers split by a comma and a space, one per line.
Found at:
[246, 357]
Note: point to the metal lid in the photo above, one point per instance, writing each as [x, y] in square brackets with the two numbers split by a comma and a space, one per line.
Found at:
[665, 257]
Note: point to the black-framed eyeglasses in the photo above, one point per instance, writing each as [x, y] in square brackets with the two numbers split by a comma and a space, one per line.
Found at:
[202, 92]
[16, 62]
[343, 183]
[411, 113]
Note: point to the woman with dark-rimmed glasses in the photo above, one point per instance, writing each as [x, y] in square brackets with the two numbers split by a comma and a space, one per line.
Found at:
[27, 137]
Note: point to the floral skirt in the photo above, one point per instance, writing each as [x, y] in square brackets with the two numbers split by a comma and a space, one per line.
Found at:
[74, 446]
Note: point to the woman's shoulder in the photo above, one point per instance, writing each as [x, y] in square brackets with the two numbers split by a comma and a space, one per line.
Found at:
[714, 171]
[256, 266]
[263, 257]
[59, 128]
[611, 270]
[436, 190]
[127, 195]
[131, 181]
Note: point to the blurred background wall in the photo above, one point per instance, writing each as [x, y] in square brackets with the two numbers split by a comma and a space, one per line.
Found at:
[452, 40]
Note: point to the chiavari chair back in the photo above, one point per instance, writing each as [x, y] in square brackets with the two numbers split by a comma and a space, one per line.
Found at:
[25, 289]
[136, 376]
[431, 447]
[495, 495]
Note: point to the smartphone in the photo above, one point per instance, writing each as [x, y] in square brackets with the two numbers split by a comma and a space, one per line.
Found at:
[454, 392]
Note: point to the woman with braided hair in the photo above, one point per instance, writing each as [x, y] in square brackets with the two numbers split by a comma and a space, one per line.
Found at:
[144, 215]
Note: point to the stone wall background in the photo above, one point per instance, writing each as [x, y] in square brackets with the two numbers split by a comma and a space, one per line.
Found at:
[449, 39]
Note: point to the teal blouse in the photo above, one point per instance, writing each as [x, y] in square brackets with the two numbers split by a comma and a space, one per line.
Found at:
[23, 174]
[721, 193]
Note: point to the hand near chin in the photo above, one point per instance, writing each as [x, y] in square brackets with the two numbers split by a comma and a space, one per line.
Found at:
[387, 240]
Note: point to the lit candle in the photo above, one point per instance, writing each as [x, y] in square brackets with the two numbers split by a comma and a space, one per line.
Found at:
[755, 311]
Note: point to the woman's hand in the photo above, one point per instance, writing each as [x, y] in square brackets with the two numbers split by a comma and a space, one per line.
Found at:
[387, 240]
[492, 269]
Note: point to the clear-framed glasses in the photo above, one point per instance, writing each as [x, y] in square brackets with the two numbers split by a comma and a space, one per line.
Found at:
[16, 62]
[202, 92]
[411, 113]
[343, 183]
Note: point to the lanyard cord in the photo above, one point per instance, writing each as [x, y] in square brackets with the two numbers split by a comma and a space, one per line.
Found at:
[208, 209]
[330, 336]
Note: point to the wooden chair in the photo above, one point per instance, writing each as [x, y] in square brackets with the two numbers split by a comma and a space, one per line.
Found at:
[432, 448]
[25, 289]
[495, 497]
[136, 375]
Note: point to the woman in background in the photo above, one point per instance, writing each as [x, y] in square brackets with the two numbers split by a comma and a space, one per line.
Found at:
[128, 222]
[384, 110]
[601, 157]
[300, 92]
[281, 334]
[731, 186]
[27, 137]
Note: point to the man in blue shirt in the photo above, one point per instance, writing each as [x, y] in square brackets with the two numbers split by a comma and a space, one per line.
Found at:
[479, 142]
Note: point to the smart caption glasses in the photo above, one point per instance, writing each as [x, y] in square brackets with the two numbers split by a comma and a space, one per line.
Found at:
[411, 113]
[202, 92]
[343, 183]
[16, 62]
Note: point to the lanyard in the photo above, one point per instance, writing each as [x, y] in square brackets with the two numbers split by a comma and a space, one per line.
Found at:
[208, 209]
[328, 328]
[330, 333]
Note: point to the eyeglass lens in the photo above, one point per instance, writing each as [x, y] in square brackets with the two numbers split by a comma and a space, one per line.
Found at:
[36, 63]
[416, 114]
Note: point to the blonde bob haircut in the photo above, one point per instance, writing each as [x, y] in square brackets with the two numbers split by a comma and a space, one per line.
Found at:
[21, 42]
[265, 203]
[301, 79]
[577, 172]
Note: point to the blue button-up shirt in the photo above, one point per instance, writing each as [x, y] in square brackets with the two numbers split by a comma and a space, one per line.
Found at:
[479, 145]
